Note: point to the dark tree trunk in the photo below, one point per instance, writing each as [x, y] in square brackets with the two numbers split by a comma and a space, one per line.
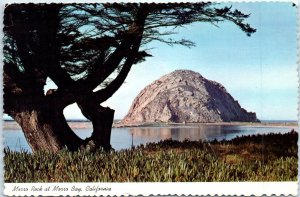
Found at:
[102, 119]
[39, 135]
[47, 130]
[42, 121]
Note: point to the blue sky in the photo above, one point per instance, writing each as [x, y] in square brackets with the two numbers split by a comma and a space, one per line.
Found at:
[259, 71]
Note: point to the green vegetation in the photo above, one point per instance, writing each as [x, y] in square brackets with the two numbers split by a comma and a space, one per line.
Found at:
[271, 157]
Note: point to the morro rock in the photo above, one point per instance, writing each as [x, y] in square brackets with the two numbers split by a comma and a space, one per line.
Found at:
[185, 96]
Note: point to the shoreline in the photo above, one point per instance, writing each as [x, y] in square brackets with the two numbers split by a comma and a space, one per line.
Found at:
[88, 125]
[258, 124]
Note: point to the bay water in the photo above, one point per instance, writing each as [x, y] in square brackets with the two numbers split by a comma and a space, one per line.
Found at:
[122, 138]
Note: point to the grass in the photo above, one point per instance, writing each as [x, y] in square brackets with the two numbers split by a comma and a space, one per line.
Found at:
[271, 157]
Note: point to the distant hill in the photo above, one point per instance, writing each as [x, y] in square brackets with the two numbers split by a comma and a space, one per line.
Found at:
[185, 96]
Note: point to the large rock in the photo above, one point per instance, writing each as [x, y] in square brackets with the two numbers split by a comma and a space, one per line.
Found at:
[185, 96]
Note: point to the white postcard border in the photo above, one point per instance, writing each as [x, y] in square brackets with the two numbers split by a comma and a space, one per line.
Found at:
[146, 189]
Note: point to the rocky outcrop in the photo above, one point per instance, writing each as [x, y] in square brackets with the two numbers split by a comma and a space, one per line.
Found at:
[185, 96]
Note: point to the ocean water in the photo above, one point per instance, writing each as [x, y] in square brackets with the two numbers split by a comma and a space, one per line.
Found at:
[121, 138]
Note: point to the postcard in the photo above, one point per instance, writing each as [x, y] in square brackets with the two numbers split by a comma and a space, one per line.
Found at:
[150, 98]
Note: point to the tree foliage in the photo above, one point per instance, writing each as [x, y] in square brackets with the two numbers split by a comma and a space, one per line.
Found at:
[86, 43]
[87, 50]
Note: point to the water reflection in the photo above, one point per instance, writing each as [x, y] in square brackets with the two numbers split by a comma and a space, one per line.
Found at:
[143, 135]
[177, 133]
[121, 138]
[201, 132]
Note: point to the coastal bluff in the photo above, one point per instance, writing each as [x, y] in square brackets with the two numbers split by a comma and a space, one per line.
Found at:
[185, 96]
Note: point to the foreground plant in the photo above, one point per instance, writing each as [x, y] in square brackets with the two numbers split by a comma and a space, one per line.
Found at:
[241, 159]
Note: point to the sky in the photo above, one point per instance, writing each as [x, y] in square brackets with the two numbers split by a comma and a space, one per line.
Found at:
[259, 71]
